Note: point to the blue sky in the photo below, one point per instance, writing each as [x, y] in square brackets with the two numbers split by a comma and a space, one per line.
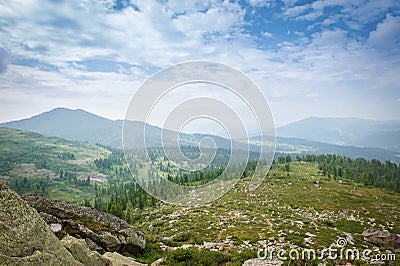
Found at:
[332, 58]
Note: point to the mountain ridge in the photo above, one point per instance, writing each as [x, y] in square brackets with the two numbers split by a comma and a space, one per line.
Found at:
[84, 126]
[345, 131]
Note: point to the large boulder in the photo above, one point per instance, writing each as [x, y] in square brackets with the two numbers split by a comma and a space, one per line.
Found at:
[25, 238]
[381, 238]
[116, 259]
[101, 231]
[81, 252]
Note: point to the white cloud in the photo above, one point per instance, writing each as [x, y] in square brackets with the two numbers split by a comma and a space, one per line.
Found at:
[295, 11]
[261, 3]
[329, 63]
[311, 16]
[4, 60]
[387, 34]
[289, 3]
[267, 34]
[330, 38]
[180, 6]
[366, 11]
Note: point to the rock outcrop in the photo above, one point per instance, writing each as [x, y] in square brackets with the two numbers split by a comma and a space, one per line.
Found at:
[116, 259]
[381, 238]
[80, 251]
[25, 239]
[101, 231]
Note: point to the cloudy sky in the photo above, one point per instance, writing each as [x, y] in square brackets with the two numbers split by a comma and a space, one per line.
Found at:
[332, 58]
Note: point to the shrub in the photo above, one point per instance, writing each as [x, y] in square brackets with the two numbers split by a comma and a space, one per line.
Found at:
[193, 256]
[182, 237]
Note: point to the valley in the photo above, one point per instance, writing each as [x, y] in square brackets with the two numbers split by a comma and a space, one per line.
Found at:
[304, 202]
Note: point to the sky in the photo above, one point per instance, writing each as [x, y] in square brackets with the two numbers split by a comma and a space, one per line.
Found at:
[326, 58]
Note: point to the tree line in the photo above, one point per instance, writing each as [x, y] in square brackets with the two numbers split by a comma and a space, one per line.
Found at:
[369, 172]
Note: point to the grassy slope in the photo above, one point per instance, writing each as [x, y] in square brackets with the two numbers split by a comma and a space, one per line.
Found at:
[282, 211]
[29, 154]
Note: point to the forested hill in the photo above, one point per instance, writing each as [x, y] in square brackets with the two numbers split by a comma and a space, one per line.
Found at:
[369, 172]
[51, 166]
[84, 126]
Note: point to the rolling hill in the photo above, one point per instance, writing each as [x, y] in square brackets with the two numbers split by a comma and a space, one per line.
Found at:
[312, 135]
[53, 166]
[73, 125]
[296, 206]
[84, 126]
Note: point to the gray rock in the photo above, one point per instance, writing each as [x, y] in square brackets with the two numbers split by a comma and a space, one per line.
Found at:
[116, 259]
[158, 262]
[25, 237]
[55, 227]
[381, 238]
[108, 232]
[93, 246]
[81, 252]
[49, 219]
[209, 245]
[261, 262]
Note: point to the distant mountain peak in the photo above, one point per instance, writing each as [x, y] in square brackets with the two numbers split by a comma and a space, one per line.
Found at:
[346, 131]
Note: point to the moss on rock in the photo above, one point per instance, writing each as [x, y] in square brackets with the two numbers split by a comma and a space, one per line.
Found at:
[25, 238]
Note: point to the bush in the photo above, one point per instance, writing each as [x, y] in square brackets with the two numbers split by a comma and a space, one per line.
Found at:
[193, 256]
[182, 237]
[151, 253]
[244, 255]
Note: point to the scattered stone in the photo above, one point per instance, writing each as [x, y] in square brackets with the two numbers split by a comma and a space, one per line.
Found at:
[310, 235]
[55, 227]
[349, 238]
[308, 240]
[209, 245]
[298, 223]
[381, 238]
[261, 262]
[167, 248]
[158, 262]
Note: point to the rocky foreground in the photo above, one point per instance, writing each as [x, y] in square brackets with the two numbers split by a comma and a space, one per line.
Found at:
[35, 230]
[88, 236]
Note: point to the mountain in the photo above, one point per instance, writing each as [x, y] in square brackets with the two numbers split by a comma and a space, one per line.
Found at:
[384, 139]
[84, 126]
[345, 131]
[303, 146]
[311, 135]
[73, 125]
